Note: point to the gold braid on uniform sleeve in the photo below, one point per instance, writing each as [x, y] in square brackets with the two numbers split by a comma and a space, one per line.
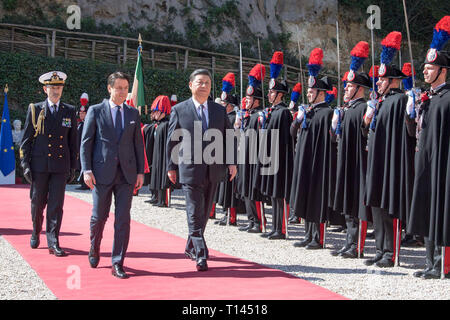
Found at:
[39, 126]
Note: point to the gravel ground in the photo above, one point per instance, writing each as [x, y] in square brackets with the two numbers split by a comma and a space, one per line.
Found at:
[348, 277]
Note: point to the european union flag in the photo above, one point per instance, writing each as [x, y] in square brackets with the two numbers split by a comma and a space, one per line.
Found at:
[7, 159]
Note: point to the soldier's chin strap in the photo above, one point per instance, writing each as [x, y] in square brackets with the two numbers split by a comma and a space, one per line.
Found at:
[438, 75]
[356, 91]
[387, 88]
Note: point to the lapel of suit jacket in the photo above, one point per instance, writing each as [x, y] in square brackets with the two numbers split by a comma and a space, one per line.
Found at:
[191, 106]
[107, 116]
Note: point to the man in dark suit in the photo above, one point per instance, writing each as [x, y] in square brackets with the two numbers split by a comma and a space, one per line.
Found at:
[112, 161]
[199, 173]
[48, 153]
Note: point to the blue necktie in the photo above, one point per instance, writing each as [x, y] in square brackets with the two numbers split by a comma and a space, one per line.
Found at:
[204, 124]
[118, 125]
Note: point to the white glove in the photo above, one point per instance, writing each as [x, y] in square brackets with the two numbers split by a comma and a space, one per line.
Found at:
[300, 114]
[335, 120]
[413, 99]
[238, 122]
[371, 105]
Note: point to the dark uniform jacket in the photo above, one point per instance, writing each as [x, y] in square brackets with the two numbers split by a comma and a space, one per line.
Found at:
[54, 150]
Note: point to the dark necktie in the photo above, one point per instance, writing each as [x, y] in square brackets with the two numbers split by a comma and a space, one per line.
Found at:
[118, 125]
[204, 124]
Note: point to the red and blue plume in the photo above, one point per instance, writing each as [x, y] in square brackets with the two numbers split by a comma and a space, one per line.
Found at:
[391, 44]
[161, 103]
[359, 54]
[276, 64]
[373, 74]
[344, 79]
[296, 92]
[441, 33]
[407, 70]
[256, 75]
[315, 62]
[228, 82]
[331, 95]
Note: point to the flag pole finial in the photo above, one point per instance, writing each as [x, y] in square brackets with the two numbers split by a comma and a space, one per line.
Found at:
[140, 43]
[6, 88]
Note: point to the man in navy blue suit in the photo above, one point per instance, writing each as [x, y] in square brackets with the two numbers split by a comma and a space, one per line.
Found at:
[195, 121]
[112, 161]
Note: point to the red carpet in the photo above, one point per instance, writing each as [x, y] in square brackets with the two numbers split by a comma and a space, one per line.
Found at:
[155, 262]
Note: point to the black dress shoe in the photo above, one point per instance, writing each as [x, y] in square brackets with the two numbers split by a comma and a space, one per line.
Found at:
[431, 274]
[267, 234]
[34, 241]
[94, 258]
[152, 200]
[277, 236]
[385, 263]
[247, 227]
[313, 245]
[202, 265]
[375, 259]
[255, 229]
[57, 251]
[294, 220]
[338, 252]
[351, 253]
[222, 221]
[301, 244]
[420, 273]
[117, 271]
[190, 255]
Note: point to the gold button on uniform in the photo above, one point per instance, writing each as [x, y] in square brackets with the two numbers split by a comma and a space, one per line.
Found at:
[49, 145]
[60, 145]
[49, 154]
[61, 137]
[49, 135]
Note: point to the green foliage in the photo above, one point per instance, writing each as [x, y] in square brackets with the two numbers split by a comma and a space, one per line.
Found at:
[422, 15]
[9, 5]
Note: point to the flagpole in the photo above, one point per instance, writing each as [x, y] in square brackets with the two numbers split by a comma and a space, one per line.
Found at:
[339, 65]
[262, 79]
[240, 70]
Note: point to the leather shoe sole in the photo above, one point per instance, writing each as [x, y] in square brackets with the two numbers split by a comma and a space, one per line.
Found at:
[301, 244]
[385, 263]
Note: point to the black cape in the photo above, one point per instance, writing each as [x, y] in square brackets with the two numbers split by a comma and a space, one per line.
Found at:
[247, 169]
[390, 159]
[149, 140]
[352, 164]
[158, 173]
[226, 193]
[312, 181]
[278, 184]
[430, 209]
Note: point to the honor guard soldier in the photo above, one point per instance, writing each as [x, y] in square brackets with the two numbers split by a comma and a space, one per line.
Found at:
[352, 154]
[390, 157]
[49, 155]
[84, 99]
[275, 182]
[247, 169]
[313, 155]
[430, 214]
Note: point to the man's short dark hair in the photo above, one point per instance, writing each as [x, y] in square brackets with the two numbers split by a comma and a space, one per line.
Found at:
[117, 75]
[197, 72]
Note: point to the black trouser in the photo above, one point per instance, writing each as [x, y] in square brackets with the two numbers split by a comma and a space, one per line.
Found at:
[102, 196]
[47, 189]
[383, 225]
[352, 224]
[199, 200]
[312, 232]
[250, 208]
[277, 214]
[433, 255]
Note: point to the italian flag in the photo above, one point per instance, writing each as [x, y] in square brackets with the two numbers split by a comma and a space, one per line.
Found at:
[137, 98]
